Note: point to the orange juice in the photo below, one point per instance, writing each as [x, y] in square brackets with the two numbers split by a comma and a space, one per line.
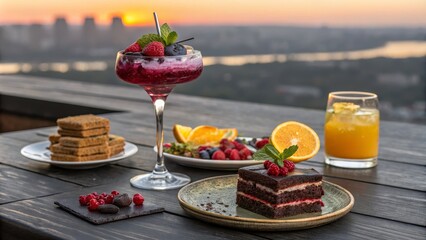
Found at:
[352, 134]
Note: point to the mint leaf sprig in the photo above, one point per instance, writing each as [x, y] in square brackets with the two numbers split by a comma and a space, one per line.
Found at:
[269, 152]
[168, 37]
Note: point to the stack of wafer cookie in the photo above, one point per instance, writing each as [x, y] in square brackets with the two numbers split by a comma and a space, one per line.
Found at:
[84, 138]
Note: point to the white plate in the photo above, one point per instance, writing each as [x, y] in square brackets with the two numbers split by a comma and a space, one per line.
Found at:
[39, 152]
[208, 163]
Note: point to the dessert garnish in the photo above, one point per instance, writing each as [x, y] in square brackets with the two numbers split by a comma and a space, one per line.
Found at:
[275, 162]
[163, 44]
[109, 203]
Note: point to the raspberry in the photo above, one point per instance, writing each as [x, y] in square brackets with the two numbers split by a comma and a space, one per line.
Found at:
[238, 145]
[167, 145]
[134, 47]
[219, 155]
[267, 163]
[273, 170]
[153, 49]
[261, 143]
[283, 171]
[82, 200]
[138, 199]
[227, 152]
[225, 144]
[245, 152]
[289, 165]
[234, 155]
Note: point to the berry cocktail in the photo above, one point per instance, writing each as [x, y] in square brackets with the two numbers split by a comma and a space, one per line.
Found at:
[157, 63]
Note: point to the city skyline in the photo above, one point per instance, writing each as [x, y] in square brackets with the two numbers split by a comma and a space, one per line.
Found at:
[362, 13]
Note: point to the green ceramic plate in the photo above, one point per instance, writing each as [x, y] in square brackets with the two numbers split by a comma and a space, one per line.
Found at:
[214, 200]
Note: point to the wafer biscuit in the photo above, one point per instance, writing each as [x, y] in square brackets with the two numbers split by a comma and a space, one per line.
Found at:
[54, 138]
[114, 150]
[83, 142]
[82, 122]
[80, 151]
[72, 158]
[115, 140]
[86, 133]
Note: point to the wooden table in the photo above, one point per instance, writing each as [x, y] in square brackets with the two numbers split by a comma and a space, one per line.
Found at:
[390, 199]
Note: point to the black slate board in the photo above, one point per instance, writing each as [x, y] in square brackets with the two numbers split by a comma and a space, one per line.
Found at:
[72, 206]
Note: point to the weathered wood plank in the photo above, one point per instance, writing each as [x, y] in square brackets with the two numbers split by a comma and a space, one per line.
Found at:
[18, 184]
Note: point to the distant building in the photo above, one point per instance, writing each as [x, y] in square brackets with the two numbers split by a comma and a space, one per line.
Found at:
[89, 33]
[61, 32]
[117, 31]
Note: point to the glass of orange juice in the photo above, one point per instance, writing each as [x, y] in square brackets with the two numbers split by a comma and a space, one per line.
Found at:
[351, 130]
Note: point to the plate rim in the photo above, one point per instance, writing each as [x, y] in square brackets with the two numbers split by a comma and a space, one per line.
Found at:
[69, 163]
[339, 212]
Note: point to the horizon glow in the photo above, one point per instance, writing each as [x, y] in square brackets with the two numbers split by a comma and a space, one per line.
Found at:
[361, 13]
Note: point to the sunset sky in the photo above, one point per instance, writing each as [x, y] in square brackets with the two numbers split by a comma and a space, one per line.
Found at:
[214, 12]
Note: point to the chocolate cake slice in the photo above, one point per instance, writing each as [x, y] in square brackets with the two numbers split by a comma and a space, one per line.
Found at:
[279, 196]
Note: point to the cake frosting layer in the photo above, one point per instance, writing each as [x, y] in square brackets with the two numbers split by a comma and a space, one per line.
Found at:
[311, 190]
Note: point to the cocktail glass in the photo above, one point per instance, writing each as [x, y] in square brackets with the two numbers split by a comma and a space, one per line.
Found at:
[351, 130]
[158, 76]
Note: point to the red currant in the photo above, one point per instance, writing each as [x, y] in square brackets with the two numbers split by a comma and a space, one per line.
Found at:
[93, 205]
[82, 200]
[90, 197]
[109, 199]
[138, 199]
[115, 193]
[101, 202]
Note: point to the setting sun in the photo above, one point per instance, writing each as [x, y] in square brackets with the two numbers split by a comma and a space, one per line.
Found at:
[136, 19]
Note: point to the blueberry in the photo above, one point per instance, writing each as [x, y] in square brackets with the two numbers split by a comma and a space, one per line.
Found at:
[160, 60]
[175, 50]
[212, 150]
[204, 154]
[239, 140]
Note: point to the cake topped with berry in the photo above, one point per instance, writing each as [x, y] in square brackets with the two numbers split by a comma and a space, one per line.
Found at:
[276, 188]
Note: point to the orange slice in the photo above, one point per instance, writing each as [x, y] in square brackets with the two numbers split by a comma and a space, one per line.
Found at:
[228, 133]
[204, 135]
[295, 133]
[181, 133]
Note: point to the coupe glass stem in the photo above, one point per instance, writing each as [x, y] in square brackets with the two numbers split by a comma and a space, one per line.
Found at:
[159, 104]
